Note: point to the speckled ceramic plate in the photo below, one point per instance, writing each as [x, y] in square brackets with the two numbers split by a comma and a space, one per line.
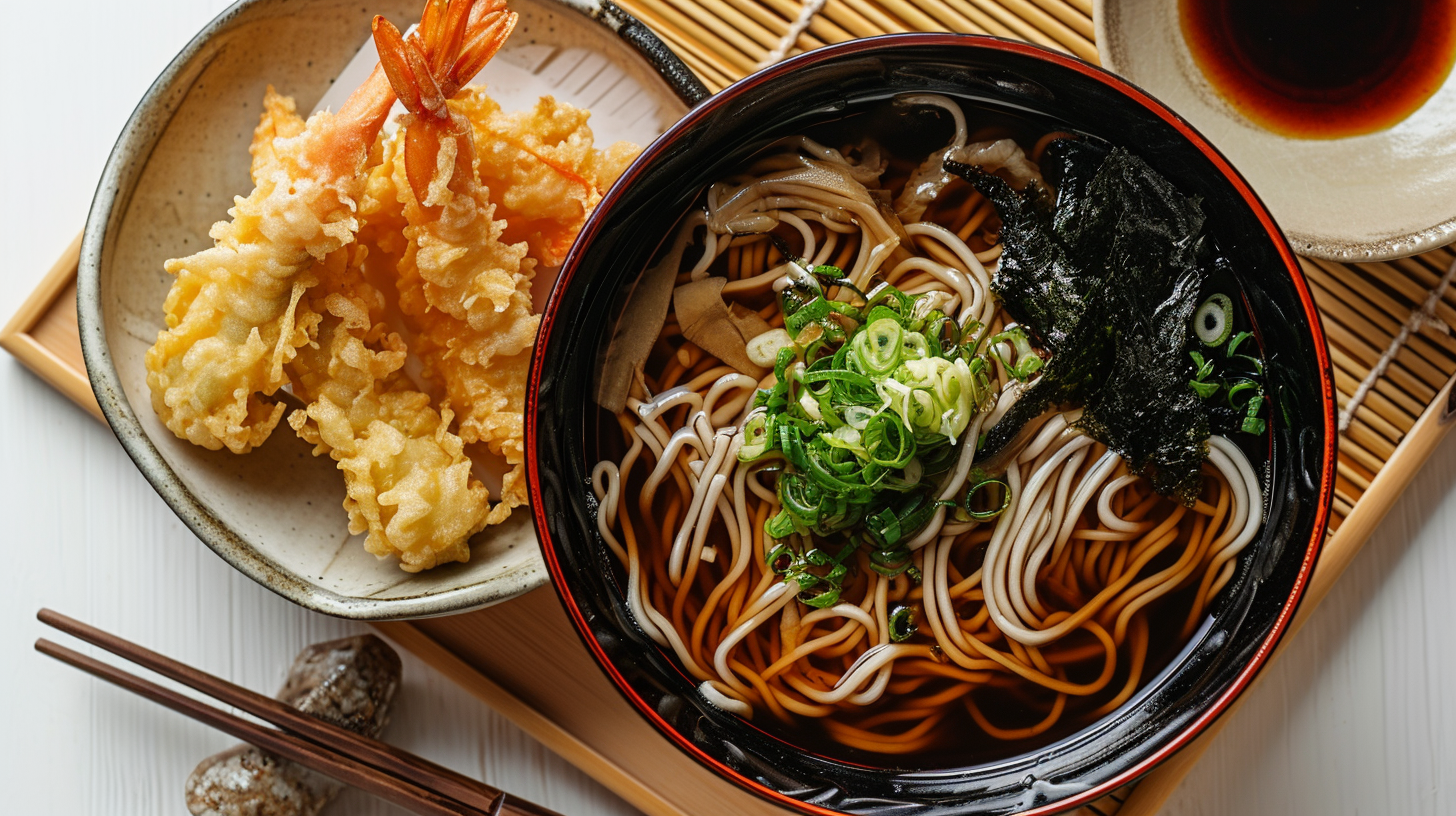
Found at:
[1377, 196]
[275, 513]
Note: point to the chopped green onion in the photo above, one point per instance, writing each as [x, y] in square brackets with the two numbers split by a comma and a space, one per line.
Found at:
[1238, 340]
[877, 348]
[1025, 361]
[780, 526]
[1214, 319]
[764, 349]
[869, 399]
[979, 482]
[1205, 367]
[757, 436]
[902, 623]
[890, 562]
[1203, 389]
[819, 575]
[888, 443]
[1248, 389]
[808, 314]
[1252, 423]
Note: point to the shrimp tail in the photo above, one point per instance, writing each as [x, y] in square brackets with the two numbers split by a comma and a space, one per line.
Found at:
[455, 40]
[488, 32]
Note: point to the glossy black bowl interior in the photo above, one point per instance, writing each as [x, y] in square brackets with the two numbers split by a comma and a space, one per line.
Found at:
[997, 76]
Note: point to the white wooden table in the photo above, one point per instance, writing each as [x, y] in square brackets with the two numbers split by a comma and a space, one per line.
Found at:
[1359, 717]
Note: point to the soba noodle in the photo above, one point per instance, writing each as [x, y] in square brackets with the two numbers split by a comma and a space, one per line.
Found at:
[1015, 620]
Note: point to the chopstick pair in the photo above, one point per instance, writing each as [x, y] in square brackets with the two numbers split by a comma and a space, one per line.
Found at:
[396, 776]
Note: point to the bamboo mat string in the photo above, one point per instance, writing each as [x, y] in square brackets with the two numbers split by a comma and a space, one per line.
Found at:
[1420, 318]
[800, 24]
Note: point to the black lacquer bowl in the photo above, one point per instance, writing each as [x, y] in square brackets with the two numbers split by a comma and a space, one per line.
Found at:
[997, 76]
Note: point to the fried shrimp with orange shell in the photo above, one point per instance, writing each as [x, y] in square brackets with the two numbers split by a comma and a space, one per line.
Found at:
[408, 480]
[542, 169]
[493, 392]
[231, 313]
[465, 292]
[465, 277]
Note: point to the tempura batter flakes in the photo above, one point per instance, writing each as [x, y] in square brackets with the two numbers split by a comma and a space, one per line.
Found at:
[408, 481]
[231, 312]
[543, 173]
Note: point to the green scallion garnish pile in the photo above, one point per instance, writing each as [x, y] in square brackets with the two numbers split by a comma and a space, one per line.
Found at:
[871, 400]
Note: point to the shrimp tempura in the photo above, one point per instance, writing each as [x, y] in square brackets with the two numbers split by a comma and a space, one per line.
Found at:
[484, 371]
[541, 169]
[465, 293]
[231, 313]
[464, 284]
[408, 481]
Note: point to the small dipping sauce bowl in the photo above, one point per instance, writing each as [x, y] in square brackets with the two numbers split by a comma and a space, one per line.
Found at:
[1359, 170]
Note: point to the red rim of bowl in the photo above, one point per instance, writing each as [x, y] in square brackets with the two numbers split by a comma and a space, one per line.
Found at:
[707, 108]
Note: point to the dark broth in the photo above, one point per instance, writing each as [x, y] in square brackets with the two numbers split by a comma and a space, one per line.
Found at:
[1322, 69]
[916, 133]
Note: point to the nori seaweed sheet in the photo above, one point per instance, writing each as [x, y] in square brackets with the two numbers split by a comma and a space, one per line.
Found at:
[1106, 276]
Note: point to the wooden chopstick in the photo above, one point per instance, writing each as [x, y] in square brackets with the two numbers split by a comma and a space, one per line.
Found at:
[372, 752]
[295, 749]
[371, 765]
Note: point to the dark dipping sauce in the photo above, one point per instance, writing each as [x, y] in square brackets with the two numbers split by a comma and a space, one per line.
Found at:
[1322, 69]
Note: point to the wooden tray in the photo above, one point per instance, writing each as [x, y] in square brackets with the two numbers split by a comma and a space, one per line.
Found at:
[523, 659]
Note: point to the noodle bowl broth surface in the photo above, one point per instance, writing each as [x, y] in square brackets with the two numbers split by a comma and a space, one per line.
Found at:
[694, 563]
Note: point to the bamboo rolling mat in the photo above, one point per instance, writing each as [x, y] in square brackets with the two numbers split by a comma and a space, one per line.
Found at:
[522, 657]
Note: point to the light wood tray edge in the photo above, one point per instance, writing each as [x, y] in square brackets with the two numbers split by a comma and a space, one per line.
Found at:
[542, 728]
[1147, 797]
[17, 339]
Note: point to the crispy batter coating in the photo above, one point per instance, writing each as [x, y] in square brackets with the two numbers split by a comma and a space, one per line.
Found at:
[491, 212]
[455, 243]
[283, 298]
[541, 169]
[408, 481]
[495, 394]
[467, 297]
[232, 311]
